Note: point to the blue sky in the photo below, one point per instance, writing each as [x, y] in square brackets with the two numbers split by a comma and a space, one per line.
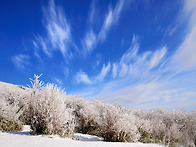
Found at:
[140, 54]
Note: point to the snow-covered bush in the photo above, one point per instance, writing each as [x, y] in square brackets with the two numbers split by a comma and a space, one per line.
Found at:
[113, 123]
[144, 127]
[12, 105]
[169, 128]
[117, 124]
[47, 112]
[9, 114]
[85, 115]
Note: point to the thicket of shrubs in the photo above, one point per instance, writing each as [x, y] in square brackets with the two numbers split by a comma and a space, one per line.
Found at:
[48, 110]
[13, 102]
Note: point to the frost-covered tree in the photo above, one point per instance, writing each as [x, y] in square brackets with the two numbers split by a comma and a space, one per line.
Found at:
[47, 111]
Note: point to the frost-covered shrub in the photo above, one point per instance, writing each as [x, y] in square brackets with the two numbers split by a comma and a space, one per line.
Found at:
[9, 117]
[169, 128]
[9, 111]
[145, 130]
[85, 114]
[9, 114]
[12, 105]
[113, 123]
[117, 124]
[186, 127]
[47, 112]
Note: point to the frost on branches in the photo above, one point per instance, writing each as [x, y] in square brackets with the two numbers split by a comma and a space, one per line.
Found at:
[13, 101]
[46, 110]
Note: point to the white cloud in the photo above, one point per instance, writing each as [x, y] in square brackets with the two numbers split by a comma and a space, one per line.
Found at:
[83, 78]
[89, 41]
[124, 69]
[138, 65]
[131, 52]
[185, 57]
[111, 18]
[143, 86]
[139, 68]
[114, 70]
[145, 80]
[58, 32]
[170, 30]
[157, 57]
[176, 93]
[190, 8]
[134, 64]
[106, 26]
[36, 48]
[21, 61]
[43, 46]
[92, 12]
[145, 94]
[103, 73]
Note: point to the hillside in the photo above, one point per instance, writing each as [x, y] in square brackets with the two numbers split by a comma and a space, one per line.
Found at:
[48, 110]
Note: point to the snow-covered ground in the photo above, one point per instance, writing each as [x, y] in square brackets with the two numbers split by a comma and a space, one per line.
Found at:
[24, 139]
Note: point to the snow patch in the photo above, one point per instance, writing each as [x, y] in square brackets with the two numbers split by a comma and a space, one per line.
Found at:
[24, 139]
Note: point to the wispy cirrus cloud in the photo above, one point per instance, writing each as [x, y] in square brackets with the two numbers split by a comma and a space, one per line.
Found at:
[124, 69]
[111, 18]
[20, 61]
[58, 33]
[157, 57]
[139, 81]
[91, 39]
[131, 63]
[104, 72]
[184, 58]
[153, 78]
[114, 70]
[83, 78]
[135, 64]
[132, 51]
[93, 11]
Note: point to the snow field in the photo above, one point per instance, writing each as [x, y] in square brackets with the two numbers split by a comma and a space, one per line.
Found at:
[24, 139]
